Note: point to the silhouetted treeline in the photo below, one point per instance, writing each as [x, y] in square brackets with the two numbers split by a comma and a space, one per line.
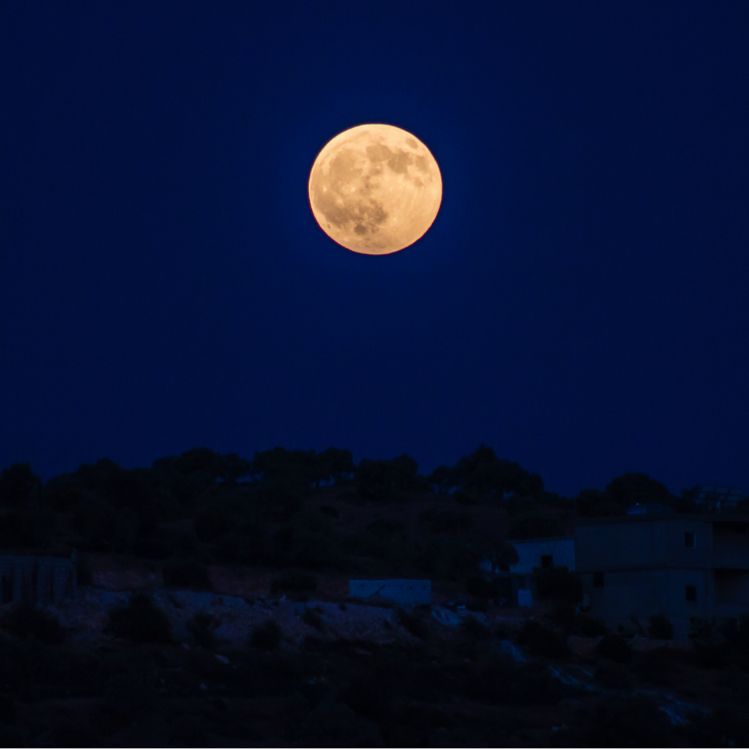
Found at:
[302, 508]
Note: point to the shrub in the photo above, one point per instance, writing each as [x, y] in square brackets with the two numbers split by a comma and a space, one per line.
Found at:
[660, 667]
[201, 628]
[563, 616]
[541, 641]
[660, 628]
[614, 648]
[480, 587]
[413, 624]
[139, 621]
[588, 626]
[186, 573]
[500, 681]
[294, 582]
[313, 619]
[212, 523]
[473, 629]
[266, 636]
[84, 573]
[24, 621]
[446, 521]
[613, 676]
[535, 526]
[558, 584]
[628, 721]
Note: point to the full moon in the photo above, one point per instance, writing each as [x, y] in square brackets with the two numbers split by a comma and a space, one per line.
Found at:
[375, 189]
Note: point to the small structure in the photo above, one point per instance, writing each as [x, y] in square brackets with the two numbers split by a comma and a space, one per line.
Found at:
[539, 553]
[395, 590]
[533, 554]
[37, 580]
[688, 568]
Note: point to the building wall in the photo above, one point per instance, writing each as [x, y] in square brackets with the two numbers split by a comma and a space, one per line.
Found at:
[634, 569]
[402, 592]
[643, 544]
[631, 597]
[531, 553]
[731, 589]
[731, 545]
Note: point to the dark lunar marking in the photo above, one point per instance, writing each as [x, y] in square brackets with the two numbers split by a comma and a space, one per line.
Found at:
[421, 163]
[360, 229]
[399, 162]
[378, 152]
[411, 143]
[343, 168]
[339, 215]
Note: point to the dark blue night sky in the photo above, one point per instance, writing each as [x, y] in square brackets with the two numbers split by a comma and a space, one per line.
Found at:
[580, 304]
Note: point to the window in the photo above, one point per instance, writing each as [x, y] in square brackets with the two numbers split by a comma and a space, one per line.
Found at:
[547, 560]
[598, 580]
[690, 593]
[689, 539]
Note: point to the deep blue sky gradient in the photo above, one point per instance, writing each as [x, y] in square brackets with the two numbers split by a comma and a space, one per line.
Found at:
[580, 304]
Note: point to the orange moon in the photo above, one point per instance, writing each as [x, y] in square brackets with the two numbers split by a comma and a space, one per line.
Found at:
[375, 189]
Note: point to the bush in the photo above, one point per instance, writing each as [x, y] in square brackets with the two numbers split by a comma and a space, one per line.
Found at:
[660, 667]
[660, 628]
[25, 621]
[201, 628]
[446, 521]
[558, 585]
[500, 681]
[628, 721]
[186, 573]
[614, 648]
[84, 573]
[541, 641]
[312, 618]
[212, 523]
[413, 624]
[139, 621]
[480, 587]
[294, 582]
[471, 628]
[614, 676]
[266, 636]
[588, 626]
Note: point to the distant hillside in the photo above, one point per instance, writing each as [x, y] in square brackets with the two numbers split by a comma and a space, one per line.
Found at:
[291, 509]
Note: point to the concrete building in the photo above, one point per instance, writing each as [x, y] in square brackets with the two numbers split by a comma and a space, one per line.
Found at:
[402, 592]
[37, 580]
[684, 567]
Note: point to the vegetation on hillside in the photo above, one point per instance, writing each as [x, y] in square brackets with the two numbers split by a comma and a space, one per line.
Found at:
[302, 515]
[302, 509]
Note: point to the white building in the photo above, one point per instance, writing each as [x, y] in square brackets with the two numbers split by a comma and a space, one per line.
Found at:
[536, 553]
